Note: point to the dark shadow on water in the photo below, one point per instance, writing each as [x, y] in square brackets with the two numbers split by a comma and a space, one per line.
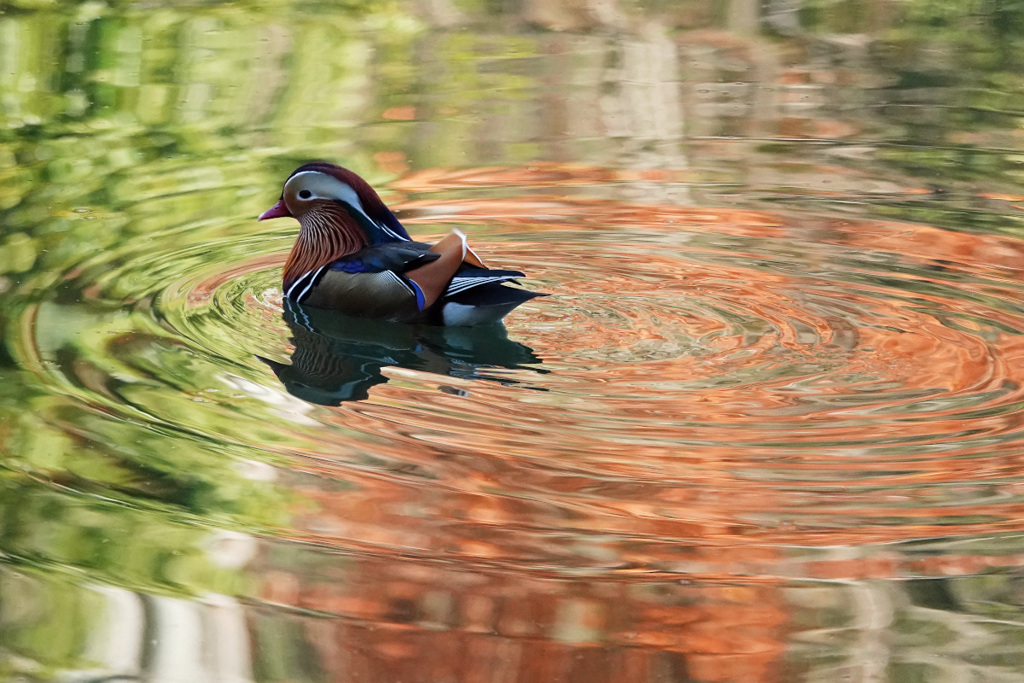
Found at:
[338, 358]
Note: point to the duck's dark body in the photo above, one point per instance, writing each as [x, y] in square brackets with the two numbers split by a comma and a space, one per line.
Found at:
[374, 283]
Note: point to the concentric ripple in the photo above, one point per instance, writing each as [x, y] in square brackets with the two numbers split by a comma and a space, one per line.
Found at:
[700, 378]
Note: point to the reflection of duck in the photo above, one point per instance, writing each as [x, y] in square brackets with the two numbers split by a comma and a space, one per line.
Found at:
[352, 255]
[338, 358]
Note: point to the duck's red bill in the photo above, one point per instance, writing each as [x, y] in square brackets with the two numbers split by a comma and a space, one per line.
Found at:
[278, 210]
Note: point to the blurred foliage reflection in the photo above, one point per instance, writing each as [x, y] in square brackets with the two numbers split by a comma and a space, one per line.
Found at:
[783, 365]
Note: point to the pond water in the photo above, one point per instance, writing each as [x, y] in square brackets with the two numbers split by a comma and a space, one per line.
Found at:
[769, 425]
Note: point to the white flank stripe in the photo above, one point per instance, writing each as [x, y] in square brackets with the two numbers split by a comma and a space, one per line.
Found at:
[394, 276]
[462, 238]
[315, 274]
[461, 284]
[470, 281]
[290, 290]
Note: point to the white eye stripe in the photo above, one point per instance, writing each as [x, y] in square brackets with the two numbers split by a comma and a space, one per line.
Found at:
[322, 186]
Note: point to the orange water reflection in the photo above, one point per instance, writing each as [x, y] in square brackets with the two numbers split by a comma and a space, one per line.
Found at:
[739, 401]
[727, 386]
[431, 622]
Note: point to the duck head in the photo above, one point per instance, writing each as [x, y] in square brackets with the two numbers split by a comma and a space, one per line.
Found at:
[338, 212]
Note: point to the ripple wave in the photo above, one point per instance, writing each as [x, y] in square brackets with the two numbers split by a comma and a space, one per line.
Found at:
[712, 378]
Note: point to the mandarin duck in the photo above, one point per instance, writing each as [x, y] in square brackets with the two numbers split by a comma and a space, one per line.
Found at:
[353, 256]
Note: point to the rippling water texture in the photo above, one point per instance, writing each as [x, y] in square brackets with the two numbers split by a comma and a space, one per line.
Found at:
[768, 427]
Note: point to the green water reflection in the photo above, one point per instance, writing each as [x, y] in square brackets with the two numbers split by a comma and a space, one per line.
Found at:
[171, 508]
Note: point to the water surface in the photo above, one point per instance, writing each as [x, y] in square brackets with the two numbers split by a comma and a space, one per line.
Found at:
[768, 426]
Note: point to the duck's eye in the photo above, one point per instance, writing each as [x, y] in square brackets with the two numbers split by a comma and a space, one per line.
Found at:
[305, 194]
